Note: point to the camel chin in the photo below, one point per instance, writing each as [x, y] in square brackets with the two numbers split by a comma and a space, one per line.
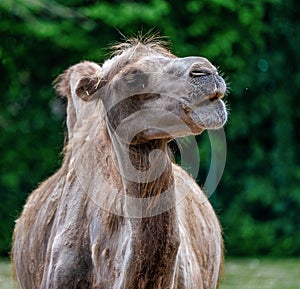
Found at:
[210, 115]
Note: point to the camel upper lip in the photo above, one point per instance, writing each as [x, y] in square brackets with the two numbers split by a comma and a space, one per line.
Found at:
[215, 96]
[203, 100]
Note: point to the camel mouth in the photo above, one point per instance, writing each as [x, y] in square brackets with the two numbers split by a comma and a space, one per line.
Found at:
[211, 113]
[206, 88]
[215, 96]
[198, 100]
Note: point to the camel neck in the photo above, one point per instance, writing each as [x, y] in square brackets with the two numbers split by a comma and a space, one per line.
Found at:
[152, 170]
[155, 235]
[148, 180]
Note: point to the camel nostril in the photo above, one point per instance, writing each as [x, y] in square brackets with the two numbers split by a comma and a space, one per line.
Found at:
[198, 72]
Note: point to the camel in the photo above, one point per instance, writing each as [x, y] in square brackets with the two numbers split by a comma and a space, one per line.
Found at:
[119, 213]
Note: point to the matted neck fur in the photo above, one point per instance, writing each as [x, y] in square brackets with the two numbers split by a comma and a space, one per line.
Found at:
[108, 218]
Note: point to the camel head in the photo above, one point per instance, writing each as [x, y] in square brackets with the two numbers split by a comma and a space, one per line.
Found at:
[148, 93]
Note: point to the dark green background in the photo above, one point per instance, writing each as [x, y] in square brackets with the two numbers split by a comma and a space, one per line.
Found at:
[255, 44]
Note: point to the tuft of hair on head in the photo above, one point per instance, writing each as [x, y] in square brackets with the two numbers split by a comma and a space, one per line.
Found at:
[152, 40]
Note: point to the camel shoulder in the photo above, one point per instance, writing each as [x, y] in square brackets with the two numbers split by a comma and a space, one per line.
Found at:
[186, 187]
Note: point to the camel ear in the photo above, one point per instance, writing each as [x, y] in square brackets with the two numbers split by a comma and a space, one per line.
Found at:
[62, 84]
[88, 86]
[81, 80]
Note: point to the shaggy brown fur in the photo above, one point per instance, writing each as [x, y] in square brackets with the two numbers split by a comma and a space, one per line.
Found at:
[91, 225]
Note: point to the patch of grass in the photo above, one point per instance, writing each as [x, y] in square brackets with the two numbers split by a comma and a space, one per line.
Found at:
[250, 273]
[256, 273]
[5, 276]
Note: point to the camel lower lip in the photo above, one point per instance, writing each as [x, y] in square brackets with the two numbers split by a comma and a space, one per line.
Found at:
[202, 102]
[210, 114]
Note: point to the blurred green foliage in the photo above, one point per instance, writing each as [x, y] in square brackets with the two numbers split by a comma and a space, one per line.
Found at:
[256, 43]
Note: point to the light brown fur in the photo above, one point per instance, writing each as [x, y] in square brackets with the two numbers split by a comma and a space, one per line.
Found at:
[75, 232]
